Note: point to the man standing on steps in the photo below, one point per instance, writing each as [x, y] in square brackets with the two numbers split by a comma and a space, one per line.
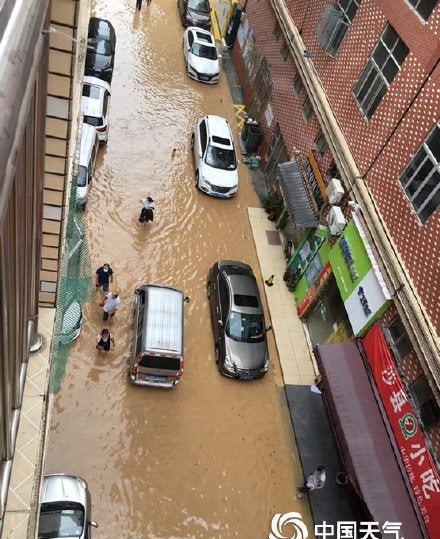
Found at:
[316, 480]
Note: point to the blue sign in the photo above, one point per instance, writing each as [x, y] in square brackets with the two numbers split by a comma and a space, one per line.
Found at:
[348, 257]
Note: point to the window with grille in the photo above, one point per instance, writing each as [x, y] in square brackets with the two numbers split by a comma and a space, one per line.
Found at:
[425, 402]
[334, 23]
[398, 339]
[380, 71]
[321, 145]
[297, 84]
[333, 172]
[423, 7]
[306, 109]
[421, 178]
[277, 32]
[285, 51]
[262, 90]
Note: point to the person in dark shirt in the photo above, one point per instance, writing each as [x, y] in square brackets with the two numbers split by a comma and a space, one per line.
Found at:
[104, 276]
[105, 341]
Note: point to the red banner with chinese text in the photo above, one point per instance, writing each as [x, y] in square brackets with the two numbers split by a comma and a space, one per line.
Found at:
[418, 462]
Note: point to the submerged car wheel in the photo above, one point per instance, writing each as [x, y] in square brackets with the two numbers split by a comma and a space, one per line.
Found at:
[192, 141]
[217, 355]
[208, 289]
[197, 178]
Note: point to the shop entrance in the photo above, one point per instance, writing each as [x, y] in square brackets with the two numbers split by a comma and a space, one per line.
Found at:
[327, 321]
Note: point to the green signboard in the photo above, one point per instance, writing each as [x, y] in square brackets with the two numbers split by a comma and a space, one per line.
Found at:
[349, 260]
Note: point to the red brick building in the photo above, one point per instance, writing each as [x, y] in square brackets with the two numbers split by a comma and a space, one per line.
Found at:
[378, 64]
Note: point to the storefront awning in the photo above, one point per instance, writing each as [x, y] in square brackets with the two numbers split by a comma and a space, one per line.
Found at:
[295, 196]
[365, 445]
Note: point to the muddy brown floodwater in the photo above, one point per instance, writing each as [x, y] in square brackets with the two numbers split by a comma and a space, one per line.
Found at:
[213, 457]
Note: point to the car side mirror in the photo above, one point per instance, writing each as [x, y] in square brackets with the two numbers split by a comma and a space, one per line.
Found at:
[186, 299]
[93, 524]
[219, 322]
[268, 328]
[219, 56]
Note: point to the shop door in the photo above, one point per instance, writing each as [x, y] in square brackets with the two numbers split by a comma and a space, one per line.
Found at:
[327, 320]
[276, 154]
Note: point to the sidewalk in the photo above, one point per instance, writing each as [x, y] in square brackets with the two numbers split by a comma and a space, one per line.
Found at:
[313, 433]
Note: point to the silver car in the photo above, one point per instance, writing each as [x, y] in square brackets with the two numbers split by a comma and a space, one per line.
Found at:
[65, 508]
[237, 321]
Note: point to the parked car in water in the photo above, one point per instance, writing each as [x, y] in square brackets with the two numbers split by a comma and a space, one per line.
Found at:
[95, 105]
[101, 45]
[158, 324]
[201, 56]
[65, 509]
[214, 157]
[87, 160]
[195, 13]
[237, 321]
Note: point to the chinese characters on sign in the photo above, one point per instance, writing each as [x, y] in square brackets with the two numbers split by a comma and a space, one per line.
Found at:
[358, 530]
[348, 257]
[419, 465]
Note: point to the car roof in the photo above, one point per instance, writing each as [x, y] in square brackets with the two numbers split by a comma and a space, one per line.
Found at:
[242, 283]
[198, 34]
[218, 127]
[62, 487]
[97, 82]
[91, 106]
[101, 28]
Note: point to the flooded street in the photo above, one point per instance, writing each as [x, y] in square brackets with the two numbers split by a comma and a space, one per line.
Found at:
[213, 457]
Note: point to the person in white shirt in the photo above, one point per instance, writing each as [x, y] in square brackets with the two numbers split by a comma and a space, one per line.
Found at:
[315, 481]
[112, 303]
[148, 208]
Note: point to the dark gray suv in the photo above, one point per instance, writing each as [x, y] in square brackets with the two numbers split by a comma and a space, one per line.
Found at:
[237, 321]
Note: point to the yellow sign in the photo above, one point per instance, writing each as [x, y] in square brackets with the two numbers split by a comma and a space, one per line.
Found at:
[317, 173]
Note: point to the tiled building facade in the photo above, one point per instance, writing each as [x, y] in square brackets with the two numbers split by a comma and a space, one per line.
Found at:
[386, 130]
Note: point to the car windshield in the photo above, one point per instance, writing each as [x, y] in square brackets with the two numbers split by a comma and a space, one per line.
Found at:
[221, 158]
[199, 5]
[93, 120]
[82, 176]
[204, 52]
[245, 327]
[100, 46]
[60, 521]
[91, 91]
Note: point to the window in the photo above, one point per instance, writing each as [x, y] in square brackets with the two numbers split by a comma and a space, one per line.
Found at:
[398, 339]
[333, 172]
[190, 39]
[105, 103]
[203, 136]
[277, 32]
[262, 92]
[306, 109]
[297, 84]
[224, 297]
[421, 179]
[285, 51]
[321, 145]
[388, 55]
[425, 402]
[423, 7]
[335, 21]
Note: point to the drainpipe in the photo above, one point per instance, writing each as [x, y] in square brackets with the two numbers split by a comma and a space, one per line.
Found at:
[408, 304]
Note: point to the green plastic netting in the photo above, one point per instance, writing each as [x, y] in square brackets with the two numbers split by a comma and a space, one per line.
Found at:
[74, 289]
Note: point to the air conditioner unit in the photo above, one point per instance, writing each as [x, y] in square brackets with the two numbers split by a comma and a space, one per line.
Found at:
[335, 191]
[336, 220]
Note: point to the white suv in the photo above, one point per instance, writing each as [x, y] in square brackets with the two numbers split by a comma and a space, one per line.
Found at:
[95, 105]
[214, 157]
[201, 55]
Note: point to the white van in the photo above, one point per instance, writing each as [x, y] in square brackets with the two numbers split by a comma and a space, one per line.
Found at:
[87, 161]
[157, 355]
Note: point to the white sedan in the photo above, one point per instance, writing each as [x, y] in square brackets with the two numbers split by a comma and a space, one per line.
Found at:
[95, 105]
[201, 56]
